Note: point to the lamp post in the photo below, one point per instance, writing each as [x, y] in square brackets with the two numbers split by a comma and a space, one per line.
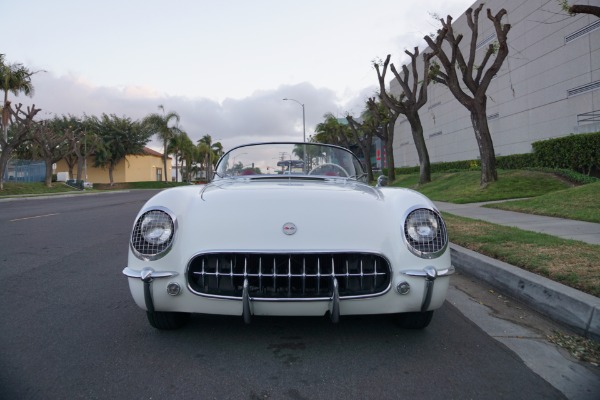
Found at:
[303, 119]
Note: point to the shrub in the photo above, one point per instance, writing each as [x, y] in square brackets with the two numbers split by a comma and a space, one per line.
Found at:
[575, 152]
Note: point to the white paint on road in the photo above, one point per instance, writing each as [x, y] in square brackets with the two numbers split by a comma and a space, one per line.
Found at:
[35, 216]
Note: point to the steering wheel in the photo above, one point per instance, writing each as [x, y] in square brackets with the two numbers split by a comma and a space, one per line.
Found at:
[329, 169]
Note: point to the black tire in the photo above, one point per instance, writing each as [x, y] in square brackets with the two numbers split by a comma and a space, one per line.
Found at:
[167, 320]
[415, 320]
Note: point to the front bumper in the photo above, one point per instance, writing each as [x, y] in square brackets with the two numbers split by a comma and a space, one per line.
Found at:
[415, 290]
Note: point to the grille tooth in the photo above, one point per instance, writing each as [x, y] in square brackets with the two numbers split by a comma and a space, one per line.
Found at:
[289, 276]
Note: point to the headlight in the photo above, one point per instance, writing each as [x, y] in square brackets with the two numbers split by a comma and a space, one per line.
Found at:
[153, 234]
[425, 233]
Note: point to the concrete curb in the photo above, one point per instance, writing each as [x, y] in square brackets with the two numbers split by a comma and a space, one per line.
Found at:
[580, 311]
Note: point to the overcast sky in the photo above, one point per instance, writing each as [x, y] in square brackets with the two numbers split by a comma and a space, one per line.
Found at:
[224, 66]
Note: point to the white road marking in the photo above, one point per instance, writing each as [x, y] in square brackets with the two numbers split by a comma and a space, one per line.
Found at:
[37, 216]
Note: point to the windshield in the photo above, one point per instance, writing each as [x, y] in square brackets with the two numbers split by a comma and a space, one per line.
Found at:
[287, 159]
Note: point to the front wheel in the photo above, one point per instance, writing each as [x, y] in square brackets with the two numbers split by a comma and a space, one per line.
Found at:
[415, 320]
[167, 320]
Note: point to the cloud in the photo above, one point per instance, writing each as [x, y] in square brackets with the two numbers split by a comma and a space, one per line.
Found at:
[262, 116]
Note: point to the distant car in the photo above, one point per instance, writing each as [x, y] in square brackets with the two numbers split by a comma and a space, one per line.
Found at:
[287, 244]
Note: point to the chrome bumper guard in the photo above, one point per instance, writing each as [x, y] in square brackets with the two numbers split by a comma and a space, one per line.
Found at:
[335, 303]
[430, 274]
[147, 275]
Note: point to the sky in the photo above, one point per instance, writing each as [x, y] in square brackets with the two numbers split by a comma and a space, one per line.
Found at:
[223, 66]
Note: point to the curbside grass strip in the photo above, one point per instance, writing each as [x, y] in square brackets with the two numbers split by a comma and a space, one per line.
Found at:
[580, 311]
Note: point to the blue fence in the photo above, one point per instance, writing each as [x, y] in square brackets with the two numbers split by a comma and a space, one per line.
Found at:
[25, 171]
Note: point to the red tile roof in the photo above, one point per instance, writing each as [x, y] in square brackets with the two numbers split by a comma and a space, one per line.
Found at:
[148, 151]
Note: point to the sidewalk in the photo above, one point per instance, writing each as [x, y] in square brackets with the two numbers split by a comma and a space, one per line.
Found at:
[580, 311]
[587, 232]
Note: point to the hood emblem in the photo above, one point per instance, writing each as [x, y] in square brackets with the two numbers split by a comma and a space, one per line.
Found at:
[289, 228]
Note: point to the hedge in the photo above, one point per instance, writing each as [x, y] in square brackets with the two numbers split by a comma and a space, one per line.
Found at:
[579, 153]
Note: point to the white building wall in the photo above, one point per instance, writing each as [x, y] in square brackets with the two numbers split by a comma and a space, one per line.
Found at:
[529, 99]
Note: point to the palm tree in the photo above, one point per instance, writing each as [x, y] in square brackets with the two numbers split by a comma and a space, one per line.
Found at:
[177, 147]
[159, 123]
[333, 131]
[14, 78]
[210, 152]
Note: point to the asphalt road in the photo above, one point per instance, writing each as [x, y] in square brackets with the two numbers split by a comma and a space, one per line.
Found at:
[70, 330]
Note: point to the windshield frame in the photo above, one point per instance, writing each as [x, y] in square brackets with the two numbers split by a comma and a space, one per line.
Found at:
[327, 162]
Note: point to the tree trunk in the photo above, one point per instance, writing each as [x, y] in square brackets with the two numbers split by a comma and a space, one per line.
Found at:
[416, 128]
[5, 117]
[110, 175]
[485, 144]
[48, 178]
[165, 162]
[79, 168]
[4, 156]
[367, 149]
[389, 154]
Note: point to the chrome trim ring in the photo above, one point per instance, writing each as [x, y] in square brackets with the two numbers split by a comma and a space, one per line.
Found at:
[426, 249]
[144, 250]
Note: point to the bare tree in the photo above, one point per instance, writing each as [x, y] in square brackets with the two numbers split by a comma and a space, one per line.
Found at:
[412, 98]
[580, 8]
[476, 78]
[22, 124]
[85, 140]
[363, 134]
[51, 144]
[385, 120]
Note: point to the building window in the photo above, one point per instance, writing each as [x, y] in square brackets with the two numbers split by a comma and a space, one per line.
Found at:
[583, 31]
[583, 89]
[486, 41]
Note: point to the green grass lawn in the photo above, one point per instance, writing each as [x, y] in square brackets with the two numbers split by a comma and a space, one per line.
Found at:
[569, 262]
[580, 203]
[37, 188]
[34, 189]
[463, 187]
[542, 193]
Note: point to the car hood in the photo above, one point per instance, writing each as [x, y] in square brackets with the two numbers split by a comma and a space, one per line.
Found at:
[250, 215]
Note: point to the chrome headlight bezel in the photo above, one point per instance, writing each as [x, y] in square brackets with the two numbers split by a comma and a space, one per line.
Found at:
[153, 233]
[425, 232]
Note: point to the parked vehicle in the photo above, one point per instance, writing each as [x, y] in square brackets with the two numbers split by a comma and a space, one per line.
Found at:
[288, 229]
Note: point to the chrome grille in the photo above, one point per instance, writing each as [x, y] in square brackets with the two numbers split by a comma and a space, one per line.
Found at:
[289, 276]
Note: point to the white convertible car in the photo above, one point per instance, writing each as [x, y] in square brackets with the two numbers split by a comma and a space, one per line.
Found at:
[288, 229]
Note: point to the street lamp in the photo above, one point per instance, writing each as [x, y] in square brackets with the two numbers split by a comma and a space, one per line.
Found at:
[303, 119]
